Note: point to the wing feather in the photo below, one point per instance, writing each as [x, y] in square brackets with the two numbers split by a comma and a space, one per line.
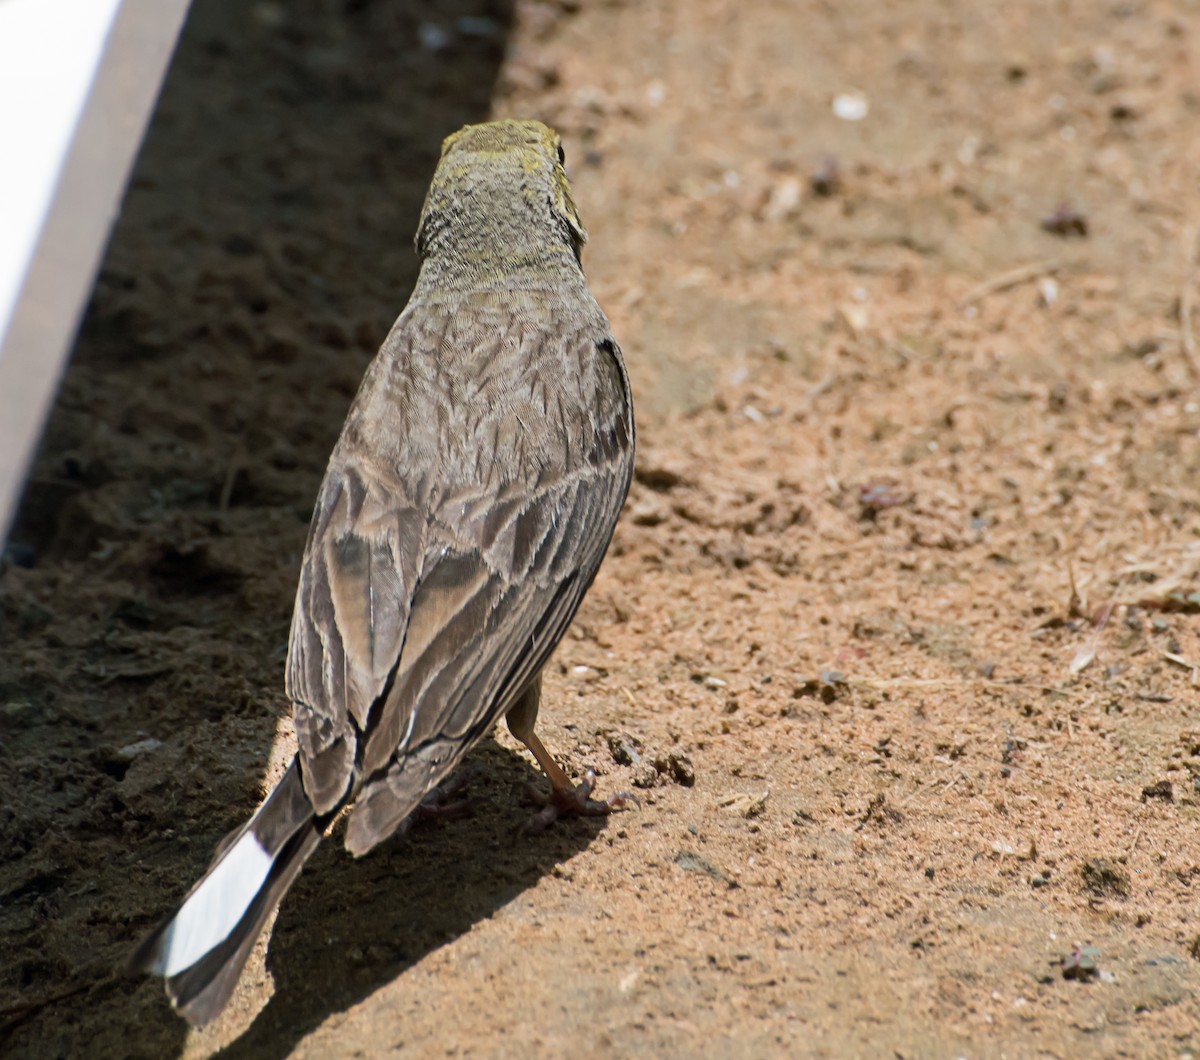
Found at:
[349, 622]
[500, 632]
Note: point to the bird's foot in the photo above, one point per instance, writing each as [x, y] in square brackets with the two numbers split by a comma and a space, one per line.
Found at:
[440, 802]
[445, 801]
[572, 802]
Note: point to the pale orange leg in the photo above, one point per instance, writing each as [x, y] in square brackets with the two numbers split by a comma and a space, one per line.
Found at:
[566, 799]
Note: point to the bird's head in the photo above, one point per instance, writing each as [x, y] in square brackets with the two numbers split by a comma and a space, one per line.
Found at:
[499, 186]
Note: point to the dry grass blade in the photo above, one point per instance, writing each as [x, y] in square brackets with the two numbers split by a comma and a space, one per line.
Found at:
[1173, 590]
[1007, 280]
[949, 682]
[1087, 654]
[1187, 339]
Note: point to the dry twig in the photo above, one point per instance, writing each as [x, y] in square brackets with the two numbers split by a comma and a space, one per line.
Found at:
[13, 1015]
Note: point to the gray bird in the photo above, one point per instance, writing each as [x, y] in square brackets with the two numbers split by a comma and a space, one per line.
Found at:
[464, 513]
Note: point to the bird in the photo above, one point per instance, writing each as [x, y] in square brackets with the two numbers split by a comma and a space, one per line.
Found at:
[464, 513]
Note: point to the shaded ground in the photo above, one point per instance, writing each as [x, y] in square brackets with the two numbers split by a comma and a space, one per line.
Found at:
[909, 575]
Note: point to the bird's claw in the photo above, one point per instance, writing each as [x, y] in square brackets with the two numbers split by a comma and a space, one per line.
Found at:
[572, 802]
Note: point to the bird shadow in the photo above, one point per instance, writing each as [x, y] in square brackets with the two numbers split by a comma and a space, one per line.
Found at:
[262, 252]
[350, 926]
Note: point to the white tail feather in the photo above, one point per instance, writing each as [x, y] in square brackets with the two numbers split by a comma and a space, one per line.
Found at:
[210, 913]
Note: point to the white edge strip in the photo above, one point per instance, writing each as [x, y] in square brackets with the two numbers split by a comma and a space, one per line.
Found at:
[68, 155]
[49, 52]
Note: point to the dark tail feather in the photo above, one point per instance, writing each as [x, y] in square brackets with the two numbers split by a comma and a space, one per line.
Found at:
[202, 947]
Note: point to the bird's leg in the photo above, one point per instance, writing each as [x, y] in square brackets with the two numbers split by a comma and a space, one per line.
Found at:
[566, 799]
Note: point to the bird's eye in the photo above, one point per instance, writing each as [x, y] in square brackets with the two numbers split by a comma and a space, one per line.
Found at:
[562, 155]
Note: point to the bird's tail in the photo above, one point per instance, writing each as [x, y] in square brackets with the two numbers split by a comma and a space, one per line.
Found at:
[201, 948]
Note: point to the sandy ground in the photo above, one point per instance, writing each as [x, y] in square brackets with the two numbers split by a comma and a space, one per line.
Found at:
[898, 638]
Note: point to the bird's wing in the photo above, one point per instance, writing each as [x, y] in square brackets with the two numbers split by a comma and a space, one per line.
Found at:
[360, 571]
[419, 621]
[496, 595]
